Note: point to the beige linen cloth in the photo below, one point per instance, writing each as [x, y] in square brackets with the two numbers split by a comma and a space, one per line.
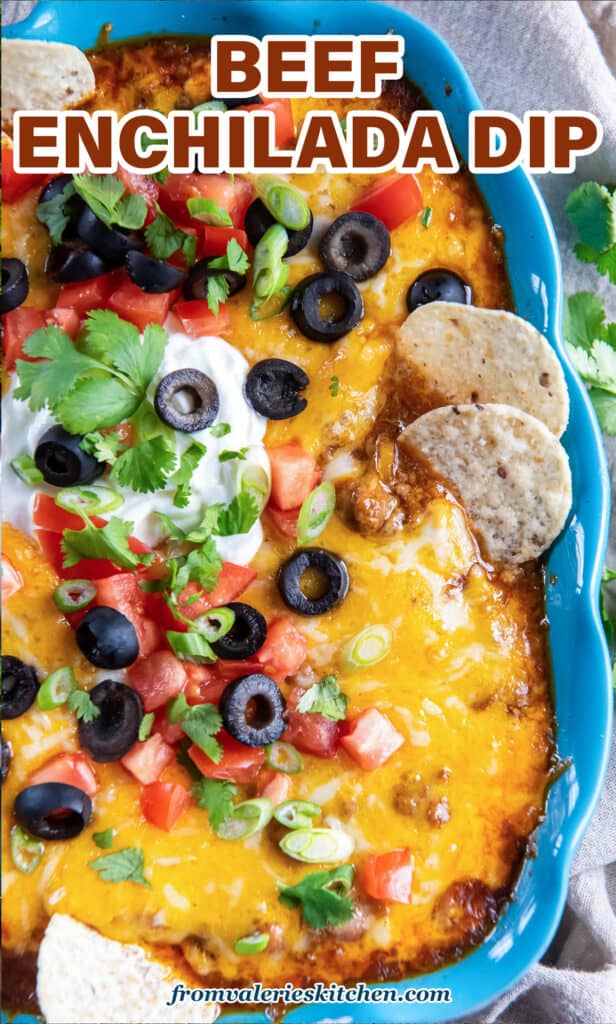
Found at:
[543, 55]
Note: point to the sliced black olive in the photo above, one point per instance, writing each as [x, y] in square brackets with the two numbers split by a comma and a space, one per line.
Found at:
[258, 219]
[357, 244]
[53, 810]
[111, 244]
[73, 206]
[195, 286]
[55, 187]
[153, 276]
[14, 285]
[246, 635]
[327, 587]
[231, 102]
[252, 710]
[7, 757]
[333, 287]
[110, 735]
[62, 462]
[20, 684]
[187, 400]
[273, 388]
[107, 638]
[67, 263]
[438, 285]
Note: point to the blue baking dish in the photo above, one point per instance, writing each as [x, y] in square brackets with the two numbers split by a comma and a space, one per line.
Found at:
[582, 674]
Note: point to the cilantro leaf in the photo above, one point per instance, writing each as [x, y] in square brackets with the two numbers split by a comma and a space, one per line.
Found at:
[177, 708]
[95, 402]
[334, 386]
[238, 517]
[47, 383]
[147, 466]
[234, 259]
[324, 698]
[208, 211]
[207, 526]
[145, 727]
[189, 461]
[592, 346]
[606, 263]
[227, 456]
[54, 214]
[215, 797]
[605, 408]
[218, 289]
[81, 703]
[124, 866]
[104, 840]
[104, 447]
[161, 176]
[584, 319]
[170, 530]
[164, 238]
[116, 342]
[202, 566]
[322, 897]
[591, 208]
[110, 541]
[220, 429]
[105, 195]
[201, 723]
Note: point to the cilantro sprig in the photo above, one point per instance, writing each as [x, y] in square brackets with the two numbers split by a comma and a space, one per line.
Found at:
[218, 288]
[109, 541]
[84, 707]
[216, 797]
[591, 208]
[55, 214]
[182, 477]
[107, 198]
[124, 866]
[592, 347]
[200, 722]
[323, 897]
[324, 698]
[164, 238]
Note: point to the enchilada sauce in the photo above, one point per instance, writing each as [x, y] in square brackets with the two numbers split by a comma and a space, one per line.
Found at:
[466, 683]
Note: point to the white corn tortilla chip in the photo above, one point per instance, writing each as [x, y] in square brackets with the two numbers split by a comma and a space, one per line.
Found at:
[84, 978]
[43, 76]
[467, 355]
[510, 473]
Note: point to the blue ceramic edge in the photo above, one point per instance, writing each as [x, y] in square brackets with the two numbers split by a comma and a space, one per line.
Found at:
[578, 648]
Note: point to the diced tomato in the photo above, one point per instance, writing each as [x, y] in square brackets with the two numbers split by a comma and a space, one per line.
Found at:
[14, 184]
[213, 241]
[284, 650]
[147, 759]
[140, 308]
[294, 474]
[371, 739]
[275, 786]
[49, 516]
[310, 733]
[142, 185]
[197, 318]
[232, 670]
[232, 582]
[71, 769]
[284, 521]
[68, 320]
[284, 133]
[388, 876]
[12, 580]
[157, 679]
[230, 192]
[164, 803]
[18, 325]
[82, 296]
[205, 685]
[171, 732]
[394, 199]
[239, 762]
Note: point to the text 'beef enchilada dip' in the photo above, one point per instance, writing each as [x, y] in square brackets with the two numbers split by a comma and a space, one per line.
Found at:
[279, 469]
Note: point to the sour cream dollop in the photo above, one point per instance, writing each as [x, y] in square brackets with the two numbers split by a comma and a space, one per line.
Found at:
[213, 481]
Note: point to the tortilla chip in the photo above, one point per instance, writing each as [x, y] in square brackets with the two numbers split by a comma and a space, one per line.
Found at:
[84, 978]
[468, 355]
[43, 76]
[510, 473]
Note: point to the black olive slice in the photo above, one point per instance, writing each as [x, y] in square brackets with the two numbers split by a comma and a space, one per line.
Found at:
[438, 285]
[7, 757]
[258, 219]
[252, 710]
[111, 244]
[20, 684]
[273, 388]
[67, 263]
[187, 400]
[62, 462]
[231, 102]
[330, 581]
[306, 306]
[53, 810]
[153, 276]
[110, 735]
[357, 244]
[246, 635]
[14, 285]
[107, 638]
[195, 286]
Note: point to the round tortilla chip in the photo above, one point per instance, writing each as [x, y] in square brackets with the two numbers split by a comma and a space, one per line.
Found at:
[84, 978]
[43, 76]
[468, 355]
[510, 473]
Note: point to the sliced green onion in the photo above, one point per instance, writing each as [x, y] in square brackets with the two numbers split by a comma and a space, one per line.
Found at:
[295, 814]
[25, 851]
[190, 647]
[366, 648]
[285, 202]
[25, 468]
[74, 595]
[282, 757]
[91, 500]
[267, 265]
[208, 211]
[317, 845]
[215, 624]
[248, 817]
[56, 689]
[255, 480]
[210, 105]
[271, 307]
[254, 943]
[316, 512]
